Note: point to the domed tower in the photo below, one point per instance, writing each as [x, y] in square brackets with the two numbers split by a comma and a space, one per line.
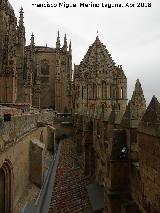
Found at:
[99, 81]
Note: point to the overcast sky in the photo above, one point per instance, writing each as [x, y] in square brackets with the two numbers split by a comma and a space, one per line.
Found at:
[131, 35]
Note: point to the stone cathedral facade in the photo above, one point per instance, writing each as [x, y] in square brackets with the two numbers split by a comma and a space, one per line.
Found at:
[98, 81]
[117, 141]
[33, 76]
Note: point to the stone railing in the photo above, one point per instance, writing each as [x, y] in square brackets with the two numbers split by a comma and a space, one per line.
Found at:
[20, 125]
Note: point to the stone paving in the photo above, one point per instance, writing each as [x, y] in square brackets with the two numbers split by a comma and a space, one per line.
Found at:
[69, 194]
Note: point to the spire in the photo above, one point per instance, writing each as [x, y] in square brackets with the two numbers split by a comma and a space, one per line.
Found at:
[97, 39]
[58, 45]
[21, 29]
[21, 17]
[135, 109]
[65, 43]
[138, 97]
[150, 123]
[154, 105]
[32, 40]
[70, 46]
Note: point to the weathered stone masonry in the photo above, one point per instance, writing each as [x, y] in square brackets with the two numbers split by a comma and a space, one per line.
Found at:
[119, 142]
[24, 146]
[38, 76]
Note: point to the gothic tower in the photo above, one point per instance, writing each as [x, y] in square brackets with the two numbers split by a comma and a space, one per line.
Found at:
[35, 77]
[30, 67]
[63, 76]
[97, 81]
[8, 75]
[20, 58]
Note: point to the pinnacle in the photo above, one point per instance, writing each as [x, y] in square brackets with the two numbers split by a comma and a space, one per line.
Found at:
[32, 39]
[154, 105]
[138, 87]
[58, 41]
[70, 45]
[135, 108]
[151, 118]
[138, 96]
[97, 41]
[65, 39]
[21, 10]
[97, 38]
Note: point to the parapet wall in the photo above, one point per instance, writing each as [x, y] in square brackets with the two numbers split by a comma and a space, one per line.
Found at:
[27, 142]
[11, 131]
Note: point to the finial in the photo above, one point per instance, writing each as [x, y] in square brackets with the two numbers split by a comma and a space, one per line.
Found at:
[58, 42]
[21, 10]
[138, 85]
[65, 38]
[70, 46]
[32, 39]
[65, 43]
[21, 17]
[97, 35]
[137, 98]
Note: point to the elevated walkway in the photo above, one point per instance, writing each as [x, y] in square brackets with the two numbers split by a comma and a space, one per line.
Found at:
[44, 199]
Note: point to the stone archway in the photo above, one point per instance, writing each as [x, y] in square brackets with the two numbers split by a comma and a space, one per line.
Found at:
[6, 179]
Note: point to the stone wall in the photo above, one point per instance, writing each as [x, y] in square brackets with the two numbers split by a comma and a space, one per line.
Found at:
[149, 159]
[11, 131]
[20, 139]
[126, 149]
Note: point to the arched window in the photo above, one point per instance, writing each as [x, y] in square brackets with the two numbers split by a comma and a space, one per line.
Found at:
[6, 179]
[107, 92]
[103, 90]
[78, 91]
[87, 92]
[94, 91]
[110, 92]
[121, 95]
[90, 93]
[82, 92]
[114, 92]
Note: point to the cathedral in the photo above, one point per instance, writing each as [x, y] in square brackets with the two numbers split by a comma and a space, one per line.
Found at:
[77, 144]
[32, 76]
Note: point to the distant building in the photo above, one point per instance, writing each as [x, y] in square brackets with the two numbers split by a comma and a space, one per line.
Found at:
[97, 81]
[38, 76]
